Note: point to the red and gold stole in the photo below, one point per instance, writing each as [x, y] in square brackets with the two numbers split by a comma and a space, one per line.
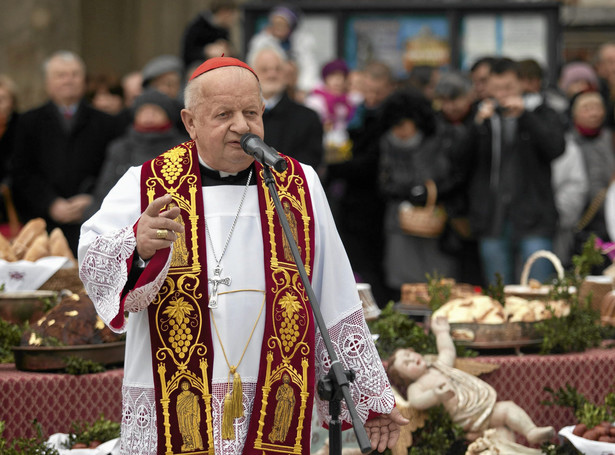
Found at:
[182, 352]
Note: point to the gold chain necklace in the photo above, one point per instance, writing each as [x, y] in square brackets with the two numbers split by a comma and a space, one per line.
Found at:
[233, 401]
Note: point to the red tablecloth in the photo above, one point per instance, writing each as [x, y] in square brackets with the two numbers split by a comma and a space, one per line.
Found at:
[522, 379]
[56, 400]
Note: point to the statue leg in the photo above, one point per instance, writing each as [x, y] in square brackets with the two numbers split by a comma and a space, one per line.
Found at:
[509, 414]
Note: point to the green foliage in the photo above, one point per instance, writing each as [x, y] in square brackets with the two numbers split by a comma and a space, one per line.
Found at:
[101, 430]
[566, 449]
[77, 365]
[589, 258]
[10, 335]
[586, 412]
[439, 436]
[496, 291]
[396, 330]
[25, 446]
[439, 291]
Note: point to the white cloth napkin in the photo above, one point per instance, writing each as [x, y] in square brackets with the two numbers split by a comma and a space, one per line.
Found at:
[29, 276]
[111, 447]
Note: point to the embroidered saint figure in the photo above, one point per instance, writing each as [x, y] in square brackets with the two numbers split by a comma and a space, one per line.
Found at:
[180, 250]
[292, 222]
[283, 411]
[189, 418]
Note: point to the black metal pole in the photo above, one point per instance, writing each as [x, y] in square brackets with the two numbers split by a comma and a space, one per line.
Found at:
[335, 385]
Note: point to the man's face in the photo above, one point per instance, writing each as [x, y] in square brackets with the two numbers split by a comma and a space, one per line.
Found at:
[6, 104]
[479, 77]
[375, 91]
[231, 106]
[168, 83]
[65, 81]
[270, 69]
[606, 64]
[503, 86]
[456, 109]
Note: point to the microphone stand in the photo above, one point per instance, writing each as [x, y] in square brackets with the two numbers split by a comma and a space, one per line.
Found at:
[335, 385]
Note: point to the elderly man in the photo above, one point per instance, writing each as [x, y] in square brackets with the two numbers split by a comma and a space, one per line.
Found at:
[61, 149]
[189, 246]
[289, 126]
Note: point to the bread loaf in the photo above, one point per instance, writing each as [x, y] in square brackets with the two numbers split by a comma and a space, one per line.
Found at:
[6, 250]
[38, 249]
[31, 230]
[58, 245]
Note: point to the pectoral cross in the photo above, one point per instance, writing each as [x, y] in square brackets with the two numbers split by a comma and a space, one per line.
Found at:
[215, 281]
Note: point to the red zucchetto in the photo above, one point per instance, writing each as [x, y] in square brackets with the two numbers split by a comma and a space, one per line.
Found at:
[219, 62]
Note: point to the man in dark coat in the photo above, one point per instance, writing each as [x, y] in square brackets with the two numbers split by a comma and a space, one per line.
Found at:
[61, 147]
[289, 126]
[507, 157]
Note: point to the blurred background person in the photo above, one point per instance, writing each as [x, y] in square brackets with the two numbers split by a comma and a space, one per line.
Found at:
[152, 132]
[164, 73]
[410, 154]
[453, 95]
[479, 75]
[507, 160]
[577, 77]
[290, 127]
[62, 147]
[208, 34]
[335, 108]
[536, 91]
[352, 185]
[9, 116]
[605, 69]
[593, 137]
[105, 93]
[132, 86]
[283, 29]
[423, 78]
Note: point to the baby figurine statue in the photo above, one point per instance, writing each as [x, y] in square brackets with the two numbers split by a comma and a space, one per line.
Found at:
[471, 402]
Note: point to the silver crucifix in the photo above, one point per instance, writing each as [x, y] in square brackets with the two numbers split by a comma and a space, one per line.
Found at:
[215, 281]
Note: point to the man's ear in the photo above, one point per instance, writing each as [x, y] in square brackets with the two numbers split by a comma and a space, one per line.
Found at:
[188, 119]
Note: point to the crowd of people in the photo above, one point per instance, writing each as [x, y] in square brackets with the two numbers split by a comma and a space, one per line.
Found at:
[519, 165]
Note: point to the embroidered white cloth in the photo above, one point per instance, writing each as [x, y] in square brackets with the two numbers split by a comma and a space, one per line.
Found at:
[333, 283]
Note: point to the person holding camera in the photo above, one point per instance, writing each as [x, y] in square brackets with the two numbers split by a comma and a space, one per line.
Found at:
[506, 162]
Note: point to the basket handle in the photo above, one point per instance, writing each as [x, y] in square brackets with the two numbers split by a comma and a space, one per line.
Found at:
[541, 254]
[432, 194]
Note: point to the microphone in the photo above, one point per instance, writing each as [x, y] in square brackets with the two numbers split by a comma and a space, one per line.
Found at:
[267, 156]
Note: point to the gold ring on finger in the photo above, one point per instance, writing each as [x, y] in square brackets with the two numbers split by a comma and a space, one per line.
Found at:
[162, 233]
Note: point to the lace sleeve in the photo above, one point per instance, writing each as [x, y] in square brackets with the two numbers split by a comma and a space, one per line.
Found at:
[104, 272]
[355, 349]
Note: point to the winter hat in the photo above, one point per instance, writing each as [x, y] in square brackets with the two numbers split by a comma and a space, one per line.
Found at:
[333, 66]
[152, 96]
[577, 71]
[161, 65]
[288, 13]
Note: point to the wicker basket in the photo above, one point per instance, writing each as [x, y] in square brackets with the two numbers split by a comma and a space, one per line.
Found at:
[524, 289]
[425, 221]
[417, 293]
[64, 279]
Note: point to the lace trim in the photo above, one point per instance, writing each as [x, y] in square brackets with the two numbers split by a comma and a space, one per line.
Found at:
[355, 348]
[139, 299]
[104, 271]
[138, 426]
[139, 434]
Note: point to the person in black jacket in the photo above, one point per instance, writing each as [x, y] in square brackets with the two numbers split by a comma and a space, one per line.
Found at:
[507, 159]
[61, 150]
[289, 126]
[208, 34]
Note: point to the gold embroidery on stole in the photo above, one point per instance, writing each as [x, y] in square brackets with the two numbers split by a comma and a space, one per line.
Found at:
[178, 314]
[291, 328]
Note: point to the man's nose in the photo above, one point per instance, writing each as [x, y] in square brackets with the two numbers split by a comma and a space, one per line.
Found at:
[240, 125]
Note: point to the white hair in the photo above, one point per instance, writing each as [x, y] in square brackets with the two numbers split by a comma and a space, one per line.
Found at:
[66, 56]
[271, 47]
[193, 94]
